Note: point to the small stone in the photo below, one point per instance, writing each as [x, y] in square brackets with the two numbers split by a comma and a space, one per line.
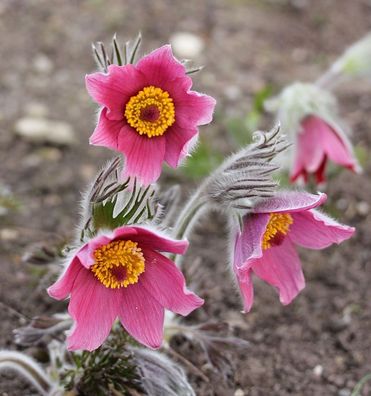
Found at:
[239, 392]
[344, 392]
[8, 234]
[37, 110]
[363, 208]
[186, 45]
[318, 370]
[40, 130]
[342, 204]
[42, 64]
[232, 92]
[51, 154]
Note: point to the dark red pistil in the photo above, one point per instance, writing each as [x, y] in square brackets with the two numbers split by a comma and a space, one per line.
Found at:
[150, 113]
[277, 239]
[119, 273]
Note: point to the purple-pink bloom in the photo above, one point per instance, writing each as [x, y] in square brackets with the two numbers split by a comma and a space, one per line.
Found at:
[266, 244]
[123, 275]
[316, 143]
[149, 112]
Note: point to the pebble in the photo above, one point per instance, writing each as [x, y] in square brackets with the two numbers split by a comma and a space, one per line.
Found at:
[35, 109]
[318, 370]
[51, 154]
[186, 45]
[41, 130]
[363, 208]
[342, 204]
[8, 234]
[232, 92]
[239, 392]
[42, 64]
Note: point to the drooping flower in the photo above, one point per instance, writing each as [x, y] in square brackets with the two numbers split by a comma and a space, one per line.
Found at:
[266, 244]
[123, 275]
[317, 142]
[308, 114]
[148, 112]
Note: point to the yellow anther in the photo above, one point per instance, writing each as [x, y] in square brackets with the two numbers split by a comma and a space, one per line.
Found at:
[118, 264]
[151, 112]
[277, 227]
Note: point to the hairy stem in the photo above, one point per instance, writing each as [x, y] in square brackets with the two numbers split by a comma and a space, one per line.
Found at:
[10, 360]
[187, 218]
[329, 79]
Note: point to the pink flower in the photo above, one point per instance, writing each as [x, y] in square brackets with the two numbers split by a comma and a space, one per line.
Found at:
[317, 142]
[123, 275]
[148, 112]
[266, 245]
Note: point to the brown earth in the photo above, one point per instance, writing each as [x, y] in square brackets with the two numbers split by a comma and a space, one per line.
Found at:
[320, 344]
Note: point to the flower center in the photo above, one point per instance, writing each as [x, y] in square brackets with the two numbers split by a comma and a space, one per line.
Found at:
[118, 264]
[277, 227]
[151, 112]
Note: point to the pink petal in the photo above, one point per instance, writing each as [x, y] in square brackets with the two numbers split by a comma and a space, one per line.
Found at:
[142, 316]
[192, 108]
[245, 284]
[280, 267]
[290, 201]
[114, 89]
[151, 239]
[144, 156]
[315, 230]
[86, 253]
[106, 132]
[318, 141]
[177, 140]
[165, 282]
[63, 286]
[93, 308]
[336, 148]
[160, 68]
[248, 245]
[320, 172]
[309, 152]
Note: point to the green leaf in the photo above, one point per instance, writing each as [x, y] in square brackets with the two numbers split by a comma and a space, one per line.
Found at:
[137, 207]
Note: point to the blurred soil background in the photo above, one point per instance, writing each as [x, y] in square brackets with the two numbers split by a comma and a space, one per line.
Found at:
[320, 344]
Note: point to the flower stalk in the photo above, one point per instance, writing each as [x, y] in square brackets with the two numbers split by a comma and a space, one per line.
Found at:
[27, 368]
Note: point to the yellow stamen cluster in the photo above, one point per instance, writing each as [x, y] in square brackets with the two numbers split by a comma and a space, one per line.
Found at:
[278, 226]
[118, 264]
[158, 103]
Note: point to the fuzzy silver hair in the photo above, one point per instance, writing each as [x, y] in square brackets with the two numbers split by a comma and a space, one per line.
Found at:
[160, 375]
[246, 177]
